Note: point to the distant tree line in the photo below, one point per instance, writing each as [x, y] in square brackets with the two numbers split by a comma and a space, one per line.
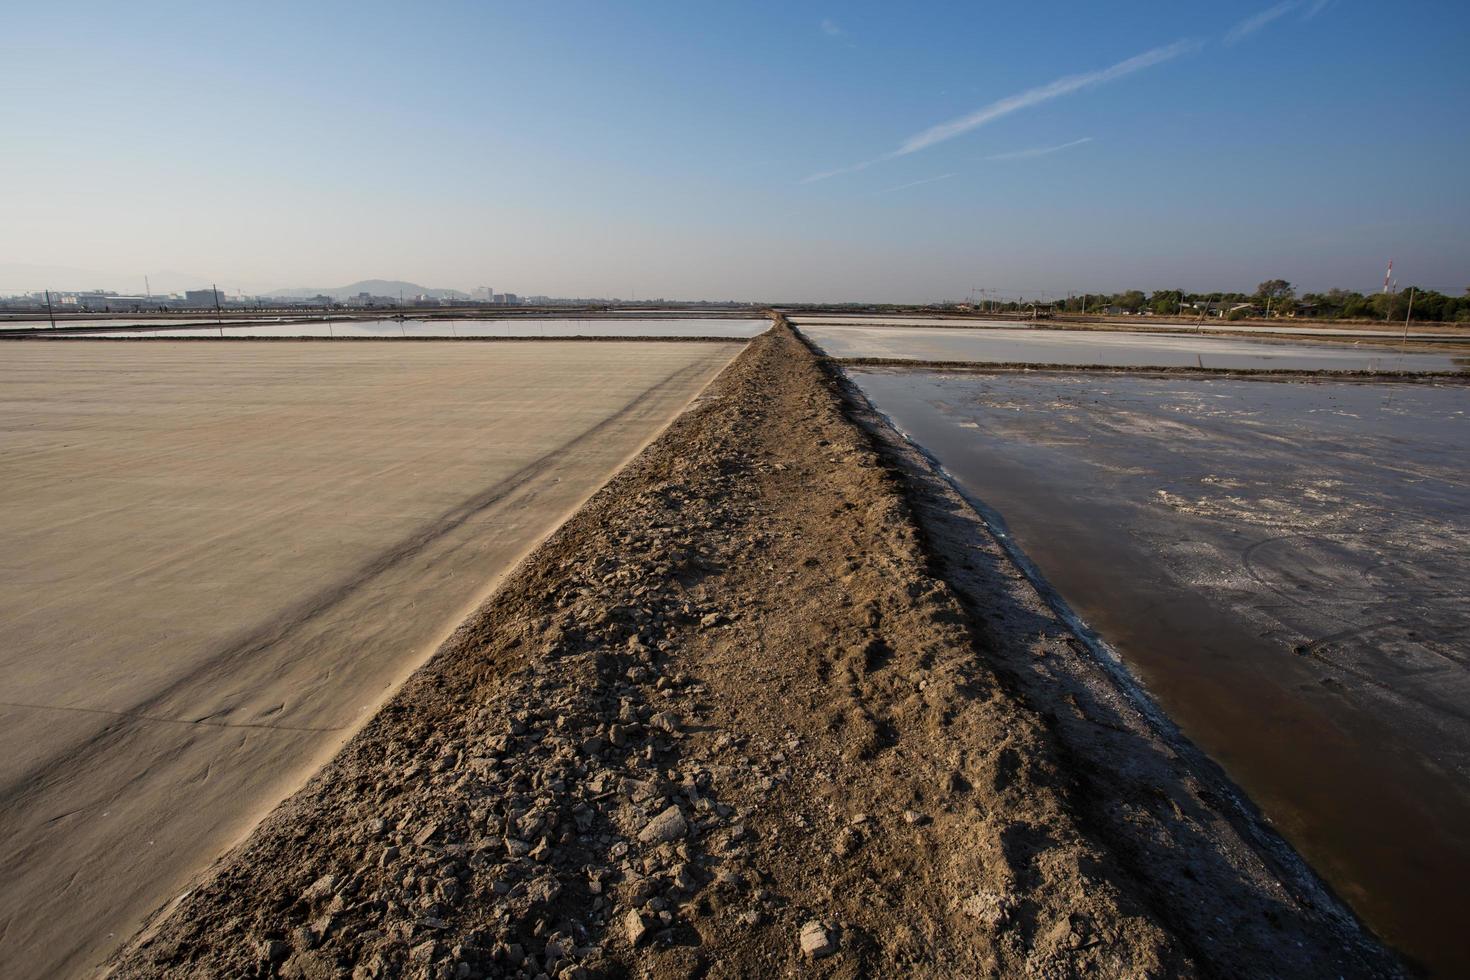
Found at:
[1274, 297]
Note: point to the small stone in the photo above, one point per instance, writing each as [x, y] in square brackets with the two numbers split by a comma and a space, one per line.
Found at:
[684, 879]
[388, 856]
[543, 890]
[618, 736]
[372, 968]
[321, 888]
[516, 847]
[558, 947]
[274, 950]
[634, 927]
[664, 721]
[541, 852]
[992, 908]
[817, 940]
[426, 834]
[710, 619]
[667, 826]
[912, 816]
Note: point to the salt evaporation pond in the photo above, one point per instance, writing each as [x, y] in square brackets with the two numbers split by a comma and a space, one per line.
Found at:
[1286, 567]
[1116, 350]
[470, 328]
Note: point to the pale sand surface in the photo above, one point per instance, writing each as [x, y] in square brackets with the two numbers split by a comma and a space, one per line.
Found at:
[218, 558]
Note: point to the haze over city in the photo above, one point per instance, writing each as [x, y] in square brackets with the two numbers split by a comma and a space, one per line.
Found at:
[867, 152]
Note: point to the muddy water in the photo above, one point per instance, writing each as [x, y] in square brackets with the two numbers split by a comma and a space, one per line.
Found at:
[1286, 567]
[519, 327]
[1022, 345]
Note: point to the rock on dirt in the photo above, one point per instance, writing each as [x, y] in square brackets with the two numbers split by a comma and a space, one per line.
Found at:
[817, 940]
[667, 826]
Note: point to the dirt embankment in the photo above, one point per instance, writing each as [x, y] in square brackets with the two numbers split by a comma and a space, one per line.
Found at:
[729, 721]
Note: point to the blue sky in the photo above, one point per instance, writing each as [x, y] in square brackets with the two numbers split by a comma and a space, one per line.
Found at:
[756, 150]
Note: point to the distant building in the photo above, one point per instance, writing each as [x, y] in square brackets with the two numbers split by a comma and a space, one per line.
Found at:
[200, 297]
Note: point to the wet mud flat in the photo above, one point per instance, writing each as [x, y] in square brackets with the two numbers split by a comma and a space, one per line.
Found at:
[218, 559]
[1285, 565]
[1096, 349]
[753, 712]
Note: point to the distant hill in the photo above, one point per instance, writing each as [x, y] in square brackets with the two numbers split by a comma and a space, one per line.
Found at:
[375, 287]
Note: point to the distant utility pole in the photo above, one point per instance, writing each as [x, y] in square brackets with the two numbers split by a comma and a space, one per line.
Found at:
[1408, 314]
[147, 289]
[50, 312]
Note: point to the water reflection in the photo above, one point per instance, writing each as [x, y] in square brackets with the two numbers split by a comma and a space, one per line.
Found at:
[1100, 349]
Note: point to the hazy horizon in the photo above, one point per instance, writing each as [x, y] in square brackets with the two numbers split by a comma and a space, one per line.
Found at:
[770, 151]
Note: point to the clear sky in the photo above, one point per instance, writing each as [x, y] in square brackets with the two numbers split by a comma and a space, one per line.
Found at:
[761, 150]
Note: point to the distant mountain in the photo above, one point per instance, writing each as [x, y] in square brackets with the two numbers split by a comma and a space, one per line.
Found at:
[373, 287]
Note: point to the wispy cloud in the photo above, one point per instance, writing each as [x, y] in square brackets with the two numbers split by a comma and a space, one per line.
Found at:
[914, 183]
[1065, 85]
[1039, 151]
[831, 28]
[1316, 8]
[1254, 23]
[852, 169]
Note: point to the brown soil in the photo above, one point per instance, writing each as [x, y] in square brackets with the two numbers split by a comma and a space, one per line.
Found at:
[741, 716]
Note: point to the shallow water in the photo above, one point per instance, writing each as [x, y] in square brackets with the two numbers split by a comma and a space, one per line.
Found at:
[1318, 329]
[200, 318]
[1021, 345]
[1286, 567]
[508, 327]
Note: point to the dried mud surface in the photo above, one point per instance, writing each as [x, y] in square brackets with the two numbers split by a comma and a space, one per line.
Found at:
[734, 720]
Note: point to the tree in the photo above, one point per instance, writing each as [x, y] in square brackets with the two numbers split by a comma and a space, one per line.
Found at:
[1274, 289]
[1387, 306]
[1165, 302]
[1131, 300]
[1273, 292]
